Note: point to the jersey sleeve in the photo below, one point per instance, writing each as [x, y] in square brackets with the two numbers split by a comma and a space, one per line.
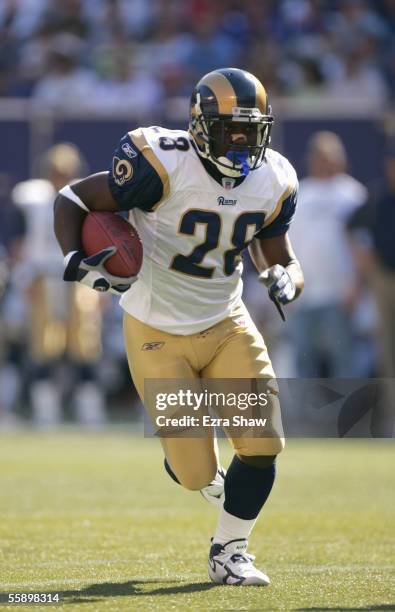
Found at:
[137, 178]
[279, 221]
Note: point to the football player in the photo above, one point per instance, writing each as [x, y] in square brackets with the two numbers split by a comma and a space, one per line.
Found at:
[64, 320]
[198, 198]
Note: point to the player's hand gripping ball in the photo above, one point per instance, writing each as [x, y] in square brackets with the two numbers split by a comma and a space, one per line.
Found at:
[112, 254]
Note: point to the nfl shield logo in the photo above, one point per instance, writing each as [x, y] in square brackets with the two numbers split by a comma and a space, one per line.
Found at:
[228, 183]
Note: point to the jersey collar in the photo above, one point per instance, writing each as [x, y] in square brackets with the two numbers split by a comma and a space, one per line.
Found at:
[225, 181]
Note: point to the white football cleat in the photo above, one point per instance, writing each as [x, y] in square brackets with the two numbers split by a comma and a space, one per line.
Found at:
[230, 564]
[214, 493]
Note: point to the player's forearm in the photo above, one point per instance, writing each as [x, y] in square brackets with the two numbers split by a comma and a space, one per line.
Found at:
[68, 219]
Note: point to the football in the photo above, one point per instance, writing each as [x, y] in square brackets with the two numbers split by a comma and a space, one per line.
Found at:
[102, 229]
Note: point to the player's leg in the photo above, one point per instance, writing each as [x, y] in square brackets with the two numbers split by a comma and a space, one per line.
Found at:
[153, 354]
[213, 492]
[250, 477]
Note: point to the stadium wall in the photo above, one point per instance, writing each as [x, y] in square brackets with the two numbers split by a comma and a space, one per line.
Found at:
[27, 133]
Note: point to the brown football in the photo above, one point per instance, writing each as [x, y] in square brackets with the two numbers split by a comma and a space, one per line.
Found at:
[103, 229]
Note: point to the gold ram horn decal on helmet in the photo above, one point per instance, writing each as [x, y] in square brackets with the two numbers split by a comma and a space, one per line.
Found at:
[223, 91]
[261, 97]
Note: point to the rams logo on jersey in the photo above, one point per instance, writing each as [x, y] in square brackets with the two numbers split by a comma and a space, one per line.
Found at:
[226, 201]
[122, 171]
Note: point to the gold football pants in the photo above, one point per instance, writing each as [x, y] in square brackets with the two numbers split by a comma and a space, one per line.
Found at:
[231, 349]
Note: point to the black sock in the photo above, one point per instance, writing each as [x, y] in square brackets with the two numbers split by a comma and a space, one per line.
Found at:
[170, 472]
[247, 488]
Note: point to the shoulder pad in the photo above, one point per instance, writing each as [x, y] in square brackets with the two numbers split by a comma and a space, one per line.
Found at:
[283, 173]
[168, 146]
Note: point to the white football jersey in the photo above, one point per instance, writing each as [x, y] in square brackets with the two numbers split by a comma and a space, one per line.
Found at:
[41, 251]
[193, 228]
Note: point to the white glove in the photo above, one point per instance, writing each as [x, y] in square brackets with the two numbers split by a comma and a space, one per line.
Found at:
[90, 271]
[279, 283]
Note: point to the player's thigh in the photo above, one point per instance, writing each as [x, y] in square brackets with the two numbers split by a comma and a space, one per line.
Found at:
[153, 354]
[159, 356]
[242, 352]
[243, 355]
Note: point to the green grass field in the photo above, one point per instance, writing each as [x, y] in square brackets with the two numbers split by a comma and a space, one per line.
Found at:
[94, 518]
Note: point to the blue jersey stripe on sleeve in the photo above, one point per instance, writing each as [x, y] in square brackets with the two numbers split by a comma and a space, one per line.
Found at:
[282, 220]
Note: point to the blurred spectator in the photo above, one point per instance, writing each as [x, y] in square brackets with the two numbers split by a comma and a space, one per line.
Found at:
[65, 16]
[373, 231]
[125, 18]
[12, 222]
[67, 84]
[63, 321]
[131, 91]
[322, 324]
[213, 46]
[355, 20]
[21, 17]
[360, 79]
[12, 231]
[167, 50]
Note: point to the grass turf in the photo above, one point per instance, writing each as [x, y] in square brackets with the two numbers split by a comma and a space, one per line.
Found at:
[94, 518]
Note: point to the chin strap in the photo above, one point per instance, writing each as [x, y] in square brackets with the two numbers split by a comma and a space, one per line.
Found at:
[239, 157]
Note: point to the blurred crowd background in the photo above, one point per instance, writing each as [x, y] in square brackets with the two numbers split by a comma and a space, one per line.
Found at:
[76, 74]
[98, 54]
